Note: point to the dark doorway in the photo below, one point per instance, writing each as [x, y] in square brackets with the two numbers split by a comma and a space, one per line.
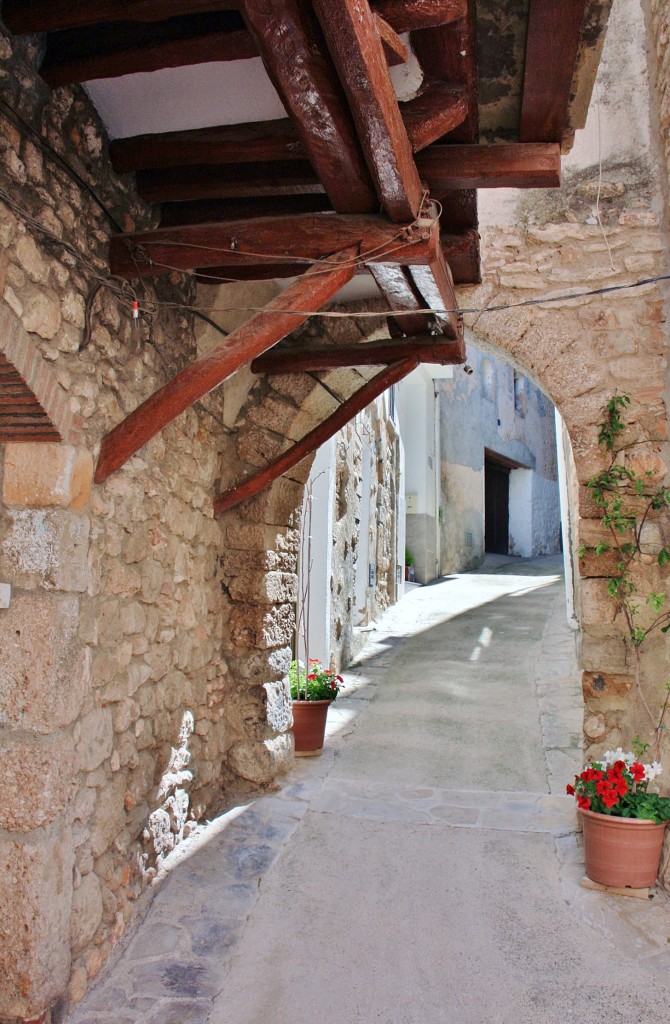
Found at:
[496, 508]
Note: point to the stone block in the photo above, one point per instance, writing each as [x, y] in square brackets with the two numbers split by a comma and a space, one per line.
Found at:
[597, 685]
[262, 762]
[36, 778]
[45, 548]
[278, 705]
[255, 626]
[264, 587]
[44, 671]
[86, 912]
[96, 739]
[36, 894]
[597, 607]
[110, 816]
[38, 475]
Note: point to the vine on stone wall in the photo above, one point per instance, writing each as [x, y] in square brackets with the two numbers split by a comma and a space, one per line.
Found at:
[628, 501]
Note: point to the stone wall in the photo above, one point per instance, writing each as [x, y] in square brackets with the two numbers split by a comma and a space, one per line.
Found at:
[112, 681]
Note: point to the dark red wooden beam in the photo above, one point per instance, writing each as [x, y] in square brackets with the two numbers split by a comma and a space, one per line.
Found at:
[436, 287]
[438, 109]
[209, 181]
[315, 438]
[425, 348]
[53, 15]
[552, 43]
[448, 53]
[395, 50]
[253, 142]
[297, 61]
[514, 165]
[272, 240]
[354, 44]
[406, 15]
[125, 48]
[263, 330]
[460, 250]
[206, 210]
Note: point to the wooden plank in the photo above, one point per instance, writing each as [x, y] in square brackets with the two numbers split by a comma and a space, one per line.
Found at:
[255, 142]
[514, 165]
[263, 330]
[425, 348]
[448, 53]
[315, 438]
[272, 240]
[53, 15]
[397, 288]
[355, 47]
[551, 51]
[408, 15]
[202, 211]
[439, 108]
[228, 181]
[458, 209]
[125, 48]
[297, 61]
[394, 48]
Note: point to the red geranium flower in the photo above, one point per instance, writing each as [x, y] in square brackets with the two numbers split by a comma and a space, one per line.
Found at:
[584, 802]
[570, 790]
[637, 771]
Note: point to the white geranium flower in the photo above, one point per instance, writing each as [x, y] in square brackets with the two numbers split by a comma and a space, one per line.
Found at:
[652, 770]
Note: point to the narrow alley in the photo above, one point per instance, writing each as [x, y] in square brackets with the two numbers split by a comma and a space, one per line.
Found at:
[425, 869]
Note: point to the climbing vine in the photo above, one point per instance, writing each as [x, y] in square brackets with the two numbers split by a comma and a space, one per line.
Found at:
[627, 500]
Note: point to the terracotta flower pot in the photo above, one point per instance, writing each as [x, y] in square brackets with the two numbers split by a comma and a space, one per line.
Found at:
[621, 851]
[309, 726]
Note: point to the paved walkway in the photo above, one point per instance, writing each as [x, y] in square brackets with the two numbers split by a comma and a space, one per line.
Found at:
[425, 869]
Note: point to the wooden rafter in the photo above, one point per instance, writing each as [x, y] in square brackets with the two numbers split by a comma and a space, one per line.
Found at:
[425, 348]
[448, 53]
[79, 55]
[514, 165]
[272, 240]
[208, 210]
[442, 168]
[296, 59]
[354, 44]
[406, 15]
[315, 438]
[438, 109]
[263, 330]
[436, 287]
[551, 51]
[395, 50]
[462, 254]
[54, 15]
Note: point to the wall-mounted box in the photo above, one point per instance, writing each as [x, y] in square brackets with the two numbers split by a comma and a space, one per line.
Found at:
[411, 504]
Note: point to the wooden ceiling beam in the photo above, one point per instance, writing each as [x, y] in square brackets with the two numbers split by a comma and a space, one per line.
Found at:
[54, 15]
[206, 210]
[252, 142]
[438, 109]
[513, 165]
[461, 251]
[448, 53]
[297, 61]
[261, 332]
[552, 43]
[228, 181]
[408, 15]
[315, 438]
[395, 50]
[272, 240]
[355, 47]
[425, 348]
[125, 48]
[442, 168]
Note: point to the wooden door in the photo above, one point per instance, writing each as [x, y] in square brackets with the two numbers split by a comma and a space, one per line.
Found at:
[496, 508]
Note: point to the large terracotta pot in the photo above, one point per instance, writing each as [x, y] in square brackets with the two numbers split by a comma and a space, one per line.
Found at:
[621, 851]
[309, 726]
